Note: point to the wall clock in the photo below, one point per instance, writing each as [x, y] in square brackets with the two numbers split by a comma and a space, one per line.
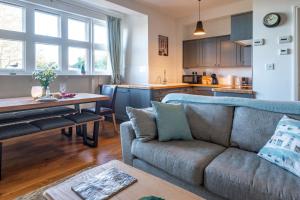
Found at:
[272, 20]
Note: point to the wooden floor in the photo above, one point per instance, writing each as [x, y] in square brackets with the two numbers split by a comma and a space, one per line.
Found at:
[32, 163]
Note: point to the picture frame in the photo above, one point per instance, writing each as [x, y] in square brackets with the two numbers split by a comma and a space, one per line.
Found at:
[163, 45]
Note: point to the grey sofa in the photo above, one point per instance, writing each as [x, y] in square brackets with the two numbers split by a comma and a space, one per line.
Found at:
[221, 163]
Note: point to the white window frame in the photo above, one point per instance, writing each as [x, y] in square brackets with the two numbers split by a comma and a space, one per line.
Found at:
[29, 39]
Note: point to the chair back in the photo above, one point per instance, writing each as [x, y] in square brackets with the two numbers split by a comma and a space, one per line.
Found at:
[111, 91]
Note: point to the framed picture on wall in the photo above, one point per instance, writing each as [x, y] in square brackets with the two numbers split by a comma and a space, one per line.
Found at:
[163, 45]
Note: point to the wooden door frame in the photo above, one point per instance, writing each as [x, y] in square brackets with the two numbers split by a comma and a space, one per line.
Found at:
[296, 88]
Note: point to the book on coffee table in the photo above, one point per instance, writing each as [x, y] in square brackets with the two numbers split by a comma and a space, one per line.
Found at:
[104, 185]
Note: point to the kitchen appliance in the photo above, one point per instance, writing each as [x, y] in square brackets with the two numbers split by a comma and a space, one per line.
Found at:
[191, 79]
[214, 80]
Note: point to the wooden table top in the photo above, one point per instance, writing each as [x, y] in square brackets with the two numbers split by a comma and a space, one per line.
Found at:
[28, 103]
[147, 185]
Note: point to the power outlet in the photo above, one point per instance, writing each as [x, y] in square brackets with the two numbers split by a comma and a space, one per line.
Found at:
[270, 67]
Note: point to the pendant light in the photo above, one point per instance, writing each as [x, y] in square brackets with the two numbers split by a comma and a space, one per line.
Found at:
[199, 29]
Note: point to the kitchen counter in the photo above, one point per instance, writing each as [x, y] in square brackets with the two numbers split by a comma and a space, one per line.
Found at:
[165, 86]
[214, 88]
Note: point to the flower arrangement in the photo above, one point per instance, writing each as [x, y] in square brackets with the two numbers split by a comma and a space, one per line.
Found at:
[45, 76]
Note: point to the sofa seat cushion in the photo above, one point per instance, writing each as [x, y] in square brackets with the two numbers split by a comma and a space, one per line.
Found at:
[238, 174]
[52, 123]
[15, 130]
[185, 160]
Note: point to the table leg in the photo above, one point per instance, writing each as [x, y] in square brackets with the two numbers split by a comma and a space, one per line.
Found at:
[1, 160]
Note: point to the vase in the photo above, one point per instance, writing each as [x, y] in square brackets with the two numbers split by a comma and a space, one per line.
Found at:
[47, 91]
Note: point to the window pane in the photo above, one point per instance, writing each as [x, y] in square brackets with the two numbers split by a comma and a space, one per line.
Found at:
[11, 17]
[46, 56]
[47, 24]
[100, 34]
[11, 54]
[77, 30]
[77, 58]
[100, 58]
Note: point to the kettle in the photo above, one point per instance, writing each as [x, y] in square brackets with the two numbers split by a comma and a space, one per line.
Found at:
[214, 80]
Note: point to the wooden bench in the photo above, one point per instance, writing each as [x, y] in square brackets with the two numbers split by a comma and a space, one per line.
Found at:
[52, 125]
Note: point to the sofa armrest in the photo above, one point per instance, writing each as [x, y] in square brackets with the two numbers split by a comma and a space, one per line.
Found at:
[127, 136]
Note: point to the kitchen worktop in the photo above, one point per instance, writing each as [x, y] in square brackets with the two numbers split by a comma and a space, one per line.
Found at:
[215, 88]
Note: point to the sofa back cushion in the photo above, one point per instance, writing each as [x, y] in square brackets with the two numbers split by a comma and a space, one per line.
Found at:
[211, 123]
[253, 128]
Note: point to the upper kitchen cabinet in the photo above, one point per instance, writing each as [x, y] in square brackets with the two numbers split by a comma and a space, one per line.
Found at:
[227, 52]
[244, 56]
[242, 27]
[192, 54]
[209, 52]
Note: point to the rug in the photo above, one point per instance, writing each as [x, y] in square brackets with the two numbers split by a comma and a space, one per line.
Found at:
[38, 194]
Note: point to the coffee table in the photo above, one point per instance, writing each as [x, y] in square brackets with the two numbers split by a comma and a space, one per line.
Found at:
[147, 185]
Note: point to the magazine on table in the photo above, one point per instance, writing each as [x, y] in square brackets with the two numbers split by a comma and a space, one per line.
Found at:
[104, 185]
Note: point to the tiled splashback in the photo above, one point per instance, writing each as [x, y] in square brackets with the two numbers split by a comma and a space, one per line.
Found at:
[223, 73]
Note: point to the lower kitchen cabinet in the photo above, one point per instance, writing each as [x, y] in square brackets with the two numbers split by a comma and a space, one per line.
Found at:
[137, 98]
[140, 98]
[232, 94]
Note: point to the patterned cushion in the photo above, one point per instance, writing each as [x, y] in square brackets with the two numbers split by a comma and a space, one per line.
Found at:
[283, 149]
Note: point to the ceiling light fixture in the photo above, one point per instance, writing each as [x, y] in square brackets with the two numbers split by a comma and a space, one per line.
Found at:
[199, 28]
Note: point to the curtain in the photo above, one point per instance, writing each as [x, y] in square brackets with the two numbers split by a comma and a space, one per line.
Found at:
[114, 47]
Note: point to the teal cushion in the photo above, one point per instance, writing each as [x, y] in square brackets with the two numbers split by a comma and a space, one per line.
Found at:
[171, 122]
[143, 123]
[283, 149]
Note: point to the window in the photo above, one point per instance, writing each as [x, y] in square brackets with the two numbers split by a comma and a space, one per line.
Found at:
[100, 61]
[47, 24]
[51, 37]
[77, 30]
[11, 54]
[11, 17]
[100, 34]
[77, 58]
[46, 56]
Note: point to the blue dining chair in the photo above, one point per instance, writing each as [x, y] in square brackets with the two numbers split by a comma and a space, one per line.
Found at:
[106, 108]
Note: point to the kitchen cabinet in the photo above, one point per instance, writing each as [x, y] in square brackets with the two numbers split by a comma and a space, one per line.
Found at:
[215, 52]
[227, 54]
[209, 52]
[204, 91]
[232, 94]
[244, 55]
[140, 98]
[242, 26]
[192, 54]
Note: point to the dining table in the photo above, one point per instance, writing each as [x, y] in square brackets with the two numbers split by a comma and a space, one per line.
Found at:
[28, 103]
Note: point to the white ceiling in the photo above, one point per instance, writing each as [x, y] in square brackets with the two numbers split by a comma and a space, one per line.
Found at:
[183, 8]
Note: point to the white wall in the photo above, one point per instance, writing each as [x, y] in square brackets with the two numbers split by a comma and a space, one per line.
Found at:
[213, 27]
[278, 84]
[158, 24]
[136, 49]
[20, 86]
[216, 23]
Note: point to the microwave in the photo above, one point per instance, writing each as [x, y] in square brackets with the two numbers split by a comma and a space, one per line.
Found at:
[190, 79]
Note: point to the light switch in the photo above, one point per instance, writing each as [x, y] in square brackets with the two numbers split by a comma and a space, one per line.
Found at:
[285, 39]
[270, 67]
[284, 51]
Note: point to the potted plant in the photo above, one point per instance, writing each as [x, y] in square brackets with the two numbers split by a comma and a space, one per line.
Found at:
[45, 76]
